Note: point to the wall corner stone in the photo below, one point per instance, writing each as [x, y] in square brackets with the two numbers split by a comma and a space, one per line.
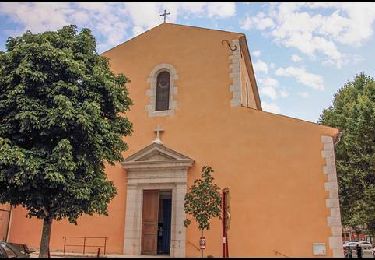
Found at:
[235, 74]
[332, 202]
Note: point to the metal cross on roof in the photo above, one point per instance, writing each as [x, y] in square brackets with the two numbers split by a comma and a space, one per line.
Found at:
[165, 15]
[158, 130]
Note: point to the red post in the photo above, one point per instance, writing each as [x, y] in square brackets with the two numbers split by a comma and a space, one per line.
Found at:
[226, 240]
[98, 254]
[224, 224]
[64, 244]
[225, 213]
[84, 245]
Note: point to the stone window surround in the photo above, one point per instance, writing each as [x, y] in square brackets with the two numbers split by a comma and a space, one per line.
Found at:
[150, 174]
[235, 74]
[151, 91]
[332, 202]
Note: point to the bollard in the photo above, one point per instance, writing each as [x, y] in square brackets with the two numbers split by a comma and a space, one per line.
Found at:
[98, 254]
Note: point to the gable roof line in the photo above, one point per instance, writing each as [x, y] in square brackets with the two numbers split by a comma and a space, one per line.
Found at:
[203, 28]
[130, 39]
[250, 70]
[297, 120]
[189, 26]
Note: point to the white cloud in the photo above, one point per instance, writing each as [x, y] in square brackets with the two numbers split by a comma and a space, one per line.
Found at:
[271, 82]
[302, 76]
[44, 16]
[257, 53]
[109, 21]
[284, 93]
[304, 94]
[351, 23]
[221, 9]
[297, 25]
[247, 24]
[260, 22]
[269, 87]
[296, 58]
[271, 107]
[260, 67]
[105, 19]
[147, 15]
[269, 92]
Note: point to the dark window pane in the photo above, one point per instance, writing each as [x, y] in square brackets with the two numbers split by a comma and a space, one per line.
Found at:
[162, 91]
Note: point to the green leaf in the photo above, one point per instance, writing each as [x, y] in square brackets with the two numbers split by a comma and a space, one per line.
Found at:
[203, 200]
[62, 117]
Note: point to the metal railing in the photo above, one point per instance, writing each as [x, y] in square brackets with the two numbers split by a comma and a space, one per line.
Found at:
[85, 244]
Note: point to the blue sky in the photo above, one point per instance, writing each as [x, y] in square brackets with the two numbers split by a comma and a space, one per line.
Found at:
[302, 52]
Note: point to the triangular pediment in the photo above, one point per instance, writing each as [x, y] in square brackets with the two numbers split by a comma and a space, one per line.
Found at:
[156, 154]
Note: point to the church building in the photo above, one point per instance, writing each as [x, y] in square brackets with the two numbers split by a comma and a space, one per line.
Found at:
[196, 103]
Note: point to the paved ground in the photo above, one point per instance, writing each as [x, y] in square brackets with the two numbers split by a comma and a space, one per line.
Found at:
[366, 254]
[74, 255]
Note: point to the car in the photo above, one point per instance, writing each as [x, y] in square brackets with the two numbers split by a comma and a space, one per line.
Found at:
[351, 244]
[12, 250]
[365, 244]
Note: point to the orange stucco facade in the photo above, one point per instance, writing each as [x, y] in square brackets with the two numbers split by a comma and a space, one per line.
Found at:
[272, 164]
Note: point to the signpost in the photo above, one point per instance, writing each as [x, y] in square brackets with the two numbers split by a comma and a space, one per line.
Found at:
[202, 244]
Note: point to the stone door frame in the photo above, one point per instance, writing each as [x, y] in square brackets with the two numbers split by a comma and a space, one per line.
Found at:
[155, 167]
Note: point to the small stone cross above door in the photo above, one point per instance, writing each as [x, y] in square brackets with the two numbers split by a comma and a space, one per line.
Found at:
[158, 130]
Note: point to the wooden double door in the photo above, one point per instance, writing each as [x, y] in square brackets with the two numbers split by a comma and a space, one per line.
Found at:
[4, 221]
[156, 222]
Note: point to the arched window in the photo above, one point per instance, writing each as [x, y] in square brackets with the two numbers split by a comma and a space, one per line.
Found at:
[162, 91]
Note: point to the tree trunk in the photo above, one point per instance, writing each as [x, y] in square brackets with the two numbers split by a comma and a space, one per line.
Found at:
[46, 236]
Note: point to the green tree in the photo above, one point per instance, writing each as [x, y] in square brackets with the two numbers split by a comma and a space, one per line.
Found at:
[61, 119]
[203, 200]
[353, 112]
